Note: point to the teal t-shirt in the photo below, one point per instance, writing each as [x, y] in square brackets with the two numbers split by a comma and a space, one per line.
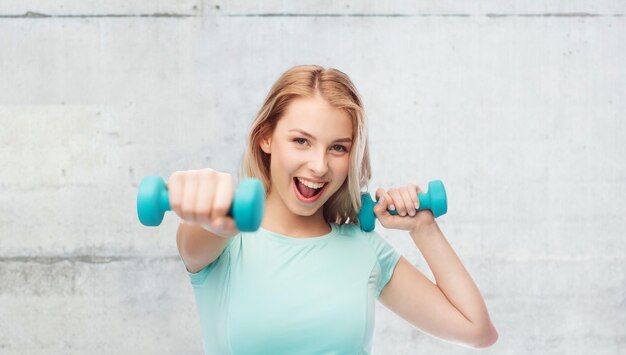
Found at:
[268, 293]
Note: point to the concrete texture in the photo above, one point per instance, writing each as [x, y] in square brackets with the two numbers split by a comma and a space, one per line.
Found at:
[517, 106]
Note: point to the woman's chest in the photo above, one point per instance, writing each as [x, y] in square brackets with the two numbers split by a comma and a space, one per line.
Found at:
[317, 302]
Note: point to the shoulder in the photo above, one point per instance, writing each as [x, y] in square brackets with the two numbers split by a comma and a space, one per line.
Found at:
[349, 229]
[354, 230]
[379, 246]
[372, 239]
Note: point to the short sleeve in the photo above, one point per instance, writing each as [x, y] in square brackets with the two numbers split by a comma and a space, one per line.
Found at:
[387, 258]
[198, 278]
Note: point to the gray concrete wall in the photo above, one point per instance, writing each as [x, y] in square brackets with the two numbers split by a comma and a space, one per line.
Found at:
[518, 106]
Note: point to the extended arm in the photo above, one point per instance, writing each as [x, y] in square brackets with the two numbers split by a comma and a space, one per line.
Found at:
[197, 246]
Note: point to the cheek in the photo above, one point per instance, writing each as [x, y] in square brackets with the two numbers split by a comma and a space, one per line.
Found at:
[341, 167]
[284, 160]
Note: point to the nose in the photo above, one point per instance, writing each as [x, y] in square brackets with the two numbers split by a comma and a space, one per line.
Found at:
[318, 164]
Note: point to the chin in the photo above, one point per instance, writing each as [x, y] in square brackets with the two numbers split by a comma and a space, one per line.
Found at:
[306, 212]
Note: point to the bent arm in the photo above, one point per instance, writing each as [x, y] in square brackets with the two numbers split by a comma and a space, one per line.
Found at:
[452, 308]
[197, 246]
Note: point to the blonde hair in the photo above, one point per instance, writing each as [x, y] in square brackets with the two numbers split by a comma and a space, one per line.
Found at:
[336, 88]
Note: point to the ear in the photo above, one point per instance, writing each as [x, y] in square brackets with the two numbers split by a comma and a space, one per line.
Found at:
[265, 144]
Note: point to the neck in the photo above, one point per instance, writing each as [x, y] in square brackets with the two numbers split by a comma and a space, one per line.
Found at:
[280, 219]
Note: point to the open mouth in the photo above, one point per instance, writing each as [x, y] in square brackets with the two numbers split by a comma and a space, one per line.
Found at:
[308, 191]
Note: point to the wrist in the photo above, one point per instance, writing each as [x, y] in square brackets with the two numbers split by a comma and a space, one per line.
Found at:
[424, 230]
[215, 232]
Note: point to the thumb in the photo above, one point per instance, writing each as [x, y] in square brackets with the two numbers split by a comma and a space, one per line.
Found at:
[230, 227]
[227, 227]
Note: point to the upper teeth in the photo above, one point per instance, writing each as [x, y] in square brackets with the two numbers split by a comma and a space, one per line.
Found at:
[313, 185]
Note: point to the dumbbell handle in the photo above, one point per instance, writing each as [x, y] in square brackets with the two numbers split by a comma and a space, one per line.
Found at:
[164, 202]
[425, 204]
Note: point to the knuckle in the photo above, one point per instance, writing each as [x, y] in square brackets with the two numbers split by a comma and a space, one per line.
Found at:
[175, 176]
[188, 210]
[193, 174]
[224, 179]
[207, 173]
[182, 176]
[203, 211]
[174, 182]
[175, 205]
[220, 210]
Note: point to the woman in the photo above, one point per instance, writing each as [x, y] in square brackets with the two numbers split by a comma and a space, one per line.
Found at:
[306, 281]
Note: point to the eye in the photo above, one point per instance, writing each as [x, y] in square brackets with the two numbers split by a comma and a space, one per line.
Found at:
[340, 148]
[337, 147]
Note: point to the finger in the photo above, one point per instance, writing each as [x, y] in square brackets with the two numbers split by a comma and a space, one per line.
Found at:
[382, 203]
[390, 205]
[387, 199]
[380, 192]
[417, 199]
[224, 193]
[398, 201]
[175, 188]
[188, 204]
[419, 192]
[204, 199]
[409, 195]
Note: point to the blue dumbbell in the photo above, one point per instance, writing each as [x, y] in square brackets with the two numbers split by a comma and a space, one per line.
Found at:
[247, 208]
[434, 200]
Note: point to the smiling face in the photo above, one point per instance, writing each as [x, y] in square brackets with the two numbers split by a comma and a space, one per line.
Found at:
[310, 146]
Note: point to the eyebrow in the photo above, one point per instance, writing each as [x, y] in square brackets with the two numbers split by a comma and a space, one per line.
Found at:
[346, 139]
